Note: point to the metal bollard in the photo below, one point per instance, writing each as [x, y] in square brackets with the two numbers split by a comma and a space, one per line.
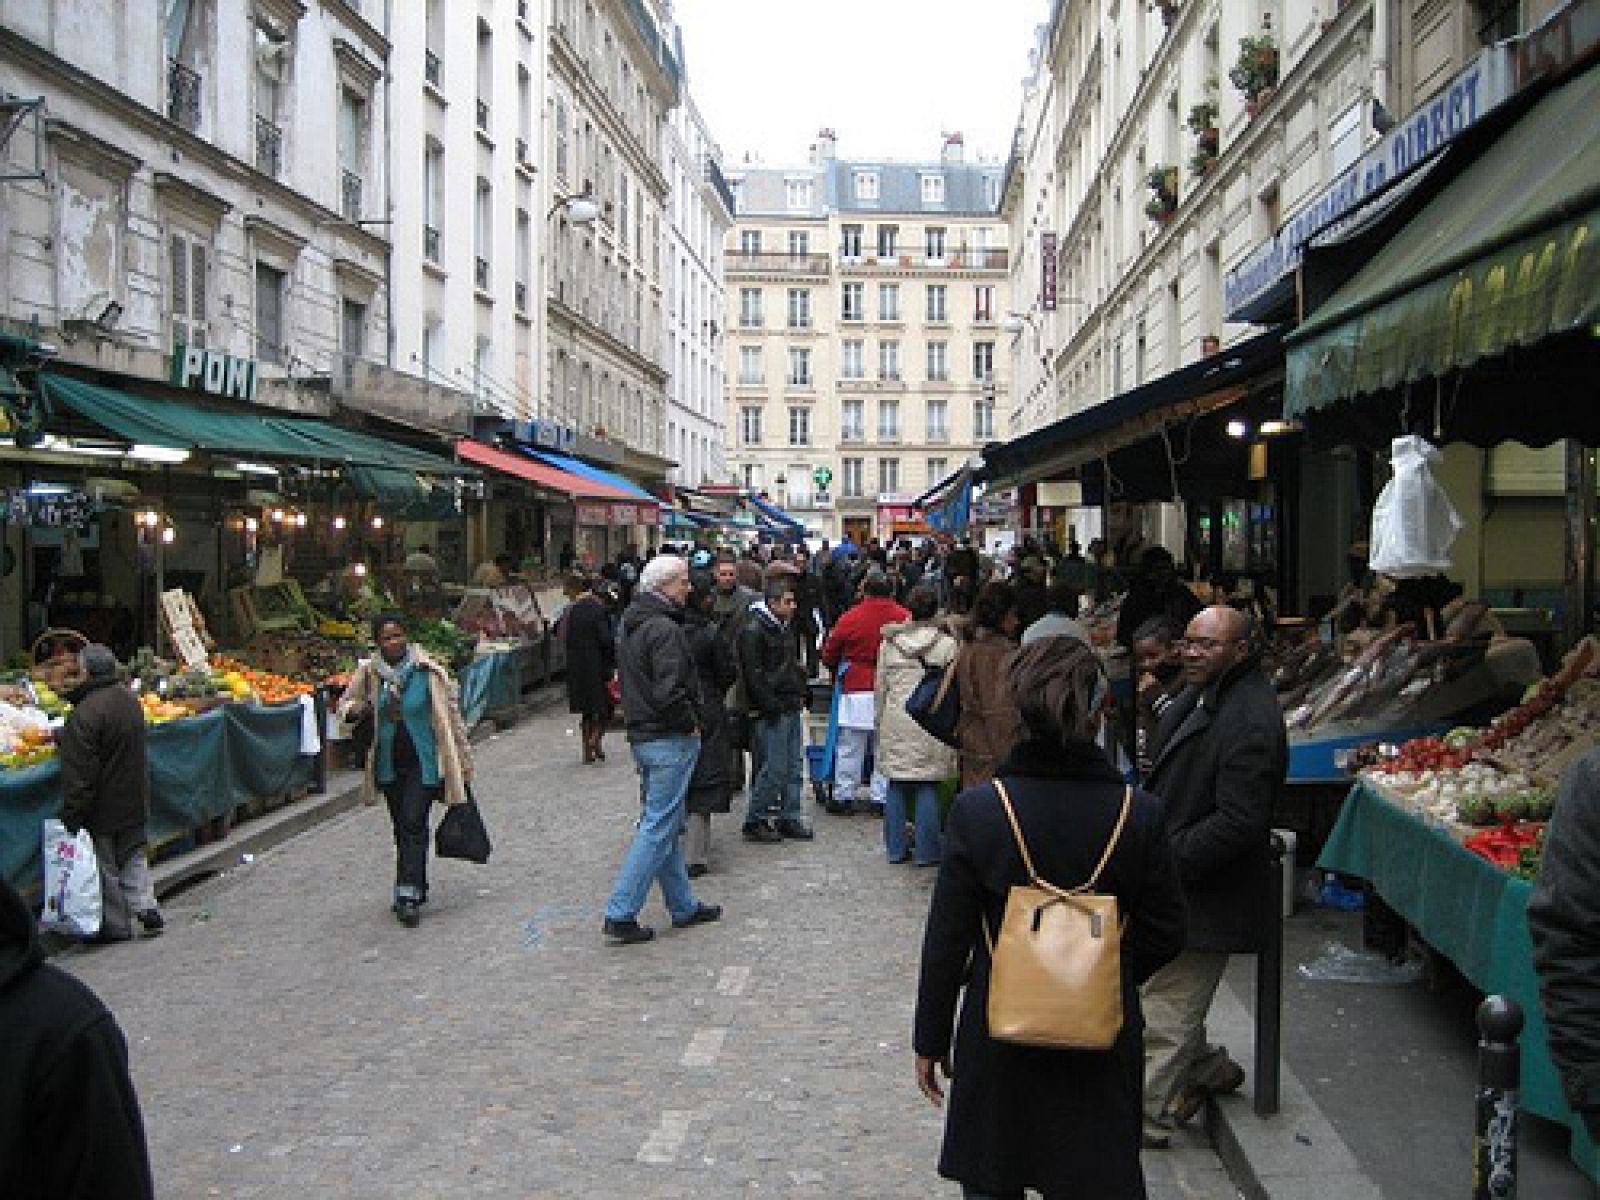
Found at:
[1494, 1137]
[1269, 989]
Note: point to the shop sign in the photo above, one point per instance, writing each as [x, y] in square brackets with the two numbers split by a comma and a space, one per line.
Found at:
[1047, 269]
[549, 436]
[213, 372]
[47, 510]
[622, 514]
[592, 514]
[1486, 83]
[648, 514]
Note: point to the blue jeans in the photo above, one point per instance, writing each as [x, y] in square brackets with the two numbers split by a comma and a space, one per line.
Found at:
[781, 755]
[665, 765]
[921, 797]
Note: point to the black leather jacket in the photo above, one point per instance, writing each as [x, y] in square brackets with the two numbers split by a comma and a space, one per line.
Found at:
[660, 686]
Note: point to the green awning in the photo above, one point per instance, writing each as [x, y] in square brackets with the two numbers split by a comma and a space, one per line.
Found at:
[1506, 255]
[402, 493]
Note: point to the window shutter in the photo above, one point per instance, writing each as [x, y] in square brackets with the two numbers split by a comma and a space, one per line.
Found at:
[197, 294]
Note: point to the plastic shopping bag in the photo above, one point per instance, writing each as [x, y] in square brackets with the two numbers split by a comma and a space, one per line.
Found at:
[1413, 522]
[71, 882]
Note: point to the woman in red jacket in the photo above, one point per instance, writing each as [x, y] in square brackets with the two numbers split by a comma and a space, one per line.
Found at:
[852, 648]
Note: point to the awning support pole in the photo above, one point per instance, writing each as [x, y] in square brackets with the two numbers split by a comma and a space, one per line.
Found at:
[1580, 589]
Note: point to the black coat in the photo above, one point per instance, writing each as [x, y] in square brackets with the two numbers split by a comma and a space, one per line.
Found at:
[70, 1127]
[591, 656]
[1064, 1122]
[774, 682]
[711, 785]
[105, 777]
[1564, 918]
[1219, 758]
[660, 687]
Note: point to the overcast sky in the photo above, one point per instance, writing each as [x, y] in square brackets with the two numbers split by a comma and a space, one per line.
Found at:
[888, 76]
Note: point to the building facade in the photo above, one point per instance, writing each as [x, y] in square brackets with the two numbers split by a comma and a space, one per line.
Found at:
[866, 301]
[701, 214]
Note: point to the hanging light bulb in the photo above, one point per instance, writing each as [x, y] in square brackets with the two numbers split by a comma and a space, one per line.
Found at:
[277, 515]
[377, 522]
[339, 523]
[359, 569]
[251, 524]
[149, 518]
[168, 535]
[300, 520]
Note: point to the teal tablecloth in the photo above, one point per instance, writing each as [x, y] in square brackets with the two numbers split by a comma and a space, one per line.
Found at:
[200, 768]
[1470, 911]
[490, 683]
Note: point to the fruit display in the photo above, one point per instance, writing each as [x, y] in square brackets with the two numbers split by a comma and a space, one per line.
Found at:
[26, 739]
[444, 640]
[158, 711]
[267, 687]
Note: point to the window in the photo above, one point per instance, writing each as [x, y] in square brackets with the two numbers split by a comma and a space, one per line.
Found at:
[933, 189]
[797, 192]
[888, 420]
[485, 73]
[563, 167]
[482, 232]
[938, 468]
[800, 482]
[935, 245]
[850, 243]
[888, 476]
[1344, 139]
[524, 261]
[352, 328]
[750, 308]
[749, 242]
[938, 362]
[752, 474]
[852, 421]
[983, 420]
[799, 308]
[269, 313]
[853, 302]
[852, 360]
[749, 426]
[799, 426]
[889, 360]
[749, 365]
[352, 152]
[799, 243]
[983, 302]
[866, 185]
[982, 361]
[799, 368]
[271, 59]
[938, 420]
[938, 306]
[850, 481]
[887, 237]
[186, 288]
[432, 200]
[888, 302]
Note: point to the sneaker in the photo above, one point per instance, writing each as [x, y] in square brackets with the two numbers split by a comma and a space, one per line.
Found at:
[697, 869]
[408, 912]
[627, 933]
[704, 914]
[761, 831]
[794, 830]
[1226, 1076]
[152, 921]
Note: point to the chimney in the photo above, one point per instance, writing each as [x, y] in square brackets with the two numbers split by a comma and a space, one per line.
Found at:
[955, 147]
[827, 143]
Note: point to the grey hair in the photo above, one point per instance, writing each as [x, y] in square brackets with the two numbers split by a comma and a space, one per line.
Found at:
[660, 569]
[97, 661]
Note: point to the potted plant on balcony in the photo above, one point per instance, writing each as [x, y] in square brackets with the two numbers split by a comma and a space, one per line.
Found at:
[1163, 202]
[1255, 74]
[1202, 123]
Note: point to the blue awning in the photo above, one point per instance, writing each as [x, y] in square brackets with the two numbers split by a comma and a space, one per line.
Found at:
[565, 462]
[775, 515]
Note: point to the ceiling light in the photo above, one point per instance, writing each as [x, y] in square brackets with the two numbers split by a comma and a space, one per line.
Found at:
[159, 454]
[169, 535]
[1238, 429]
[1276, 427]
[251, 525]
[251, 468]
[339, 523]
[48, 489]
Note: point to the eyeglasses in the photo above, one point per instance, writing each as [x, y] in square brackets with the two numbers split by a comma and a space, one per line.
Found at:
[1205, 645]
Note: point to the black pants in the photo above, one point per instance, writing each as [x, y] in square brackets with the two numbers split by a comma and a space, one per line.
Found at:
[409, 800]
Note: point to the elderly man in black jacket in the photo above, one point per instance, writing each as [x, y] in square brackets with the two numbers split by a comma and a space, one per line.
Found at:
[105, 788]
[661, 703]
[1564, 919]
[1219, 756]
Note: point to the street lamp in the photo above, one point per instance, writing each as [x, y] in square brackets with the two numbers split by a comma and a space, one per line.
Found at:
[581, 209]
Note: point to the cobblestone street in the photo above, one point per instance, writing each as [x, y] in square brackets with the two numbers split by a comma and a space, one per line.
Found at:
[289, 1038]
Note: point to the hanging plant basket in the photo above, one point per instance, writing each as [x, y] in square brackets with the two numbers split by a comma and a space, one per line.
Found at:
[1255, 74]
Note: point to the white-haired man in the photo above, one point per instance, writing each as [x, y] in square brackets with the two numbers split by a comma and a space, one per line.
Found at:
[661, 704]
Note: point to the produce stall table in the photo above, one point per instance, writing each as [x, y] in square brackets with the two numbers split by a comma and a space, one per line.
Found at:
[201, 768]
[490, 683]
[1470, 911]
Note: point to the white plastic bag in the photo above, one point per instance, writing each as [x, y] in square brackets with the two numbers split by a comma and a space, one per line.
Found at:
[1413, 523]
[71, 882]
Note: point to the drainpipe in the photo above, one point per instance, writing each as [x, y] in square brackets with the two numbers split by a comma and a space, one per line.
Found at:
[388, 184]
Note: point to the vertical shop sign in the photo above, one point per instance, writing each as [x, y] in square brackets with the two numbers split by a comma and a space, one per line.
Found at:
[1047, 269]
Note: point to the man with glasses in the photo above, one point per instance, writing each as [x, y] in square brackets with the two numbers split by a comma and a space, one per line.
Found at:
[1218, 758]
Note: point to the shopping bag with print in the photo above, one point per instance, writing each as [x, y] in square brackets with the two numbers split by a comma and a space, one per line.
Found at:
[71, 882]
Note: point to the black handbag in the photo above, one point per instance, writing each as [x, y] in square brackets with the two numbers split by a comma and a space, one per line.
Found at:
[461, 833]
[935, 703]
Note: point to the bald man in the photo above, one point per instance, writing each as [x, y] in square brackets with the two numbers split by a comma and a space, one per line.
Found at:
[1219, 756]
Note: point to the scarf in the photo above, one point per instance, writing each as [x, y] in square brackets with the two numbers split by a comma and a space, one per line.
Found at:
[393, 680]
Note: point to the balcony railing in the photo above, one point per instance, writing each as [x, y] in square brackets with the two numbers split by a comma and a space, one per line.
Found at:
[851, 433]
[183, 95]
[432, 68]
[483, 115]
[522, 151]
[269, 147]
[430, 243]
[765, 260]
[950, 260]
[522, 296]
[480, 273]
[349, 195]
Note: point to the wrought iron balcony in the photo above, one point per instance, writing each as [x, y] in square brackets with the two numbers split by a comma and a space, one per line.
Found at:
[430, 243]
[183, 95]
[432, 68]
[522, 296]
[789, 264]
[522, 152]
[887, 258]
[269, 147]
[483, 115]
[349, 195]
[480, 273]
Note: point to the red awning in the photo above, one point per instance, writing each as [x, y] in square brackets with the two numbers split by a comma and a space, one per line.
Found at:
[524, 467]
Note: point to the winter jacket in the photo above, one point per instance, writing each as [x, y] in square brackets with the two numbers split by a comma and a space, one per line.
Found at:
[591, 656]
[1564, 919]
[105, 776]
[1054, 624]
[990, 724]
[905, 750]
[1218, 760]
[711, 785]
[660, 687]
[70, 1127]
[774, 682]
[450, 740]
[856, 638]
[1061, 1122]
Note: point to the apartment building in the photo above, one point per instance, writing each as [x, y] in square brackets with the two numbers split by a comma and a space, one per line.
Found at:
[866, 300]
[701, 213]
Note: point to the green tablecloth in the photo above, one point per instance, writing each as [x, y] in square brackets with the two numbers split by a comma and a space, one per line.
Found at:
[1470, 911]
[200, 768]
[489, 683]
